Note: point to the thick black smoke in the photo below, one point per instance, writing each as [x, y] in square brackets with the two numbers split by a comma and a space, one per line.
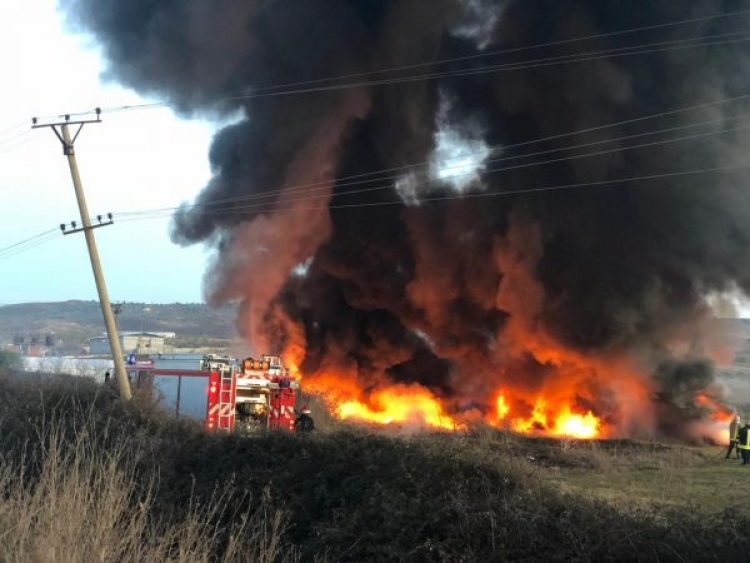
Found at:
[444, 292]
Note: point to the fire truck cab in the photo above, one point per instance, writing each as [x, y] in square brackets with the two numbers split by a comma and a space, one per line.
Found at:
[265, 395]
[227, 395]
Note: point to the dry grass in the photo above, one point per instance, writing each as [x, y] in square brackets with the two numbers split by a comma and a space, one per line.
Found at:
[634, 476]
[699, 479]
[72, 500]
[87, 478]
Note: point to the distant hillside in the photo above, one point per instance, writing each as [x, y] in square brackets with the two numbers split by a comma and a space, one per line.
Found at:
[77, 321]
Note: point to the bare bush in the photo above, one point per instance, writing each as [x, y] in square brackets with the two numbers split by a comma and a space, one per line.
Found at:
[79, 502]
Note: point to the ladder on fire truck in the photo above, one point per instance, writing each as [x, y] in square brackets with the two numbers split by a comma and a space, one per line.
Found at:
[226, 399]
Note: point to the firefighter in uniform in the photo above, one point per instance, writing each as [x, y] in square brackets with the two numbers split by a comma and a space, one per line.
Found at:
[734, 430]
[743, 443]
[304, 423]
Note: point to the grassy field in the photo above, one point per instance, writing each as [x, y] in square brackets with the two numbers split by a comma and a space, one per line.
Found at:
[134, 485]
[708, 485]
[636, 476]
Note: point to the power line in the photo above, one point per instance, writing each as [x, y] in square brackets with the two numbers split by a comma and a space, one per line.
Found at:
[409, 167]
[46, 236]
[555, 187]
[549, 151]
[25, 246]
[10, 255]
[339, 183]
[278, 90]
[346, 180]
[540, 63]
[30, 239]
[11, 147]
[534, 63]
[30, 245]
[452, 197]
[506, 51]
[12, 128]
[274, 205]
[473, 195]
[14, 137]
[562, 59]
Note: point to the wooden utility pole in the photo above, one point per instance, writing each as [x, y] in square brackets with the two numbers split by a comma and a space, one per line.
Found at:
[88, 230]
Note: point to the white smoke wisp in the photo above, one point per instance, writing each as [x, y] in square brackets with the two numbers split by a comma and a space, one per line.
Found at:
[479, 22]
[460, 151]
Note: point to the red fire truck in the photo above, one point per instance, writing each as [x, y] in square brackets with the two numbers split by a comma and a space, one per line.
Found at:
[227, 395]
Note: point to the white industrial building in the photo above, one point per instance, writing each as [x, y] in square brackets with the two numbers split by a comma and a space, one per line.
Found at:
[70, 365]
[130, 343]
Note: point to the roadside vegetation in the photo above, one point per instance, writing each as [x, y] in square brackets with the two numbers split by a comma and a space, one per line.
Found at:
[10, 361]
[88, 478]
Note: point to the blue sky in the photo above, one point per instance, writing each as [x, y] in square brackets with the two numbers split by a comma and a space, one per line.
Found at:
[134, 160]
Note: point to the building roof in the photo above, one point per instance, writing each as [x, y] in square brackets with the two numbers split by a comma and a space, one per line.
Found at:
[132, 333]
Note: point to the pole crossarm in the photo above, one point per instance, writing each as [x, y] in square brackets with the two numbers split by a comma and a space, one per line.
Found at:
[81, 229]
[68, 143]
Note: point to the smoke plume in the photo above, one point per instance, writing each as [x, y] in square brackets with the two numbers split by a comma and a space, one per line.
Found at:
[424, 276]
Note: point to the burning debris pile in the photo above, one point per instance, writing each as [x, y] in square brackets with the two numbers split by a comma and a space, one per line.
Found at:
[451, 211]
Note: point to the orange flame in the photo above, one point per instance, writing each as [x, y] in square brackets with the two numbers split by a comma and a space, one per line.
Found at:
[556, 410]
[582, 426]
[567, 392]
[716, 411]
[416, 406]
[502, 407]
[400, 405]
[566, 423]
[716, 428]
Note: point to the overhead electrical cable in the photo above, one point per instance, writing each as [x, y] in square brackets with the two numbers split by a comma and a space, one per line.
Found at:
[18, 143]
[26, 248]
[540, 63]
[503, 147]
[507, 51]
[378, 176]
[426, 172]
[29, 243]
[23, 124]
[14, 137]
[30, 239]
[447, 169]
[271, 205]
[474, 195]
[285, 204]
[299, 87]
[554, 187]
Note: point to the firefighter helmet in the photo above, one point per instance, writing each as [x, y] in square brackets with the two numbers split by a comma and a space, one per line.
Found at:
[305, 410]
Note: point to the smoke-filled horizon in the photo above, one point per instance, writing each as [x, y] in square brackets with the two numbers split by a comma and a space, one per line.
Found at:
[594, 297]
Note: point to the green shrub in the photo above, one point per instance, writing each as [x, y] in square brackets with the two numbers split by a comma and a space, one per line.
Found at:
[10, 361]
